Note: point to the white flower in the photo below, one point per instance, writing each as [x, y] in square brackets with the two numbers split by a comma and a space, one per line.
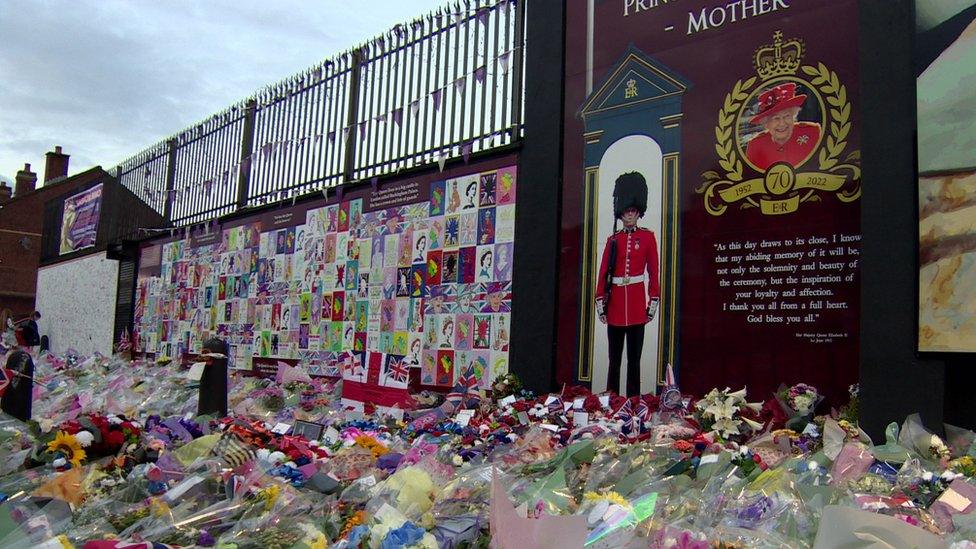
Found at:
[722, 409]
[726, 426]
[739, 395]
[458, 461]
[927, 476]
[754, 406]
[46, 425]
[812, 466]
[114, 420]
[803, 403]
[755, 426]
[84, 438]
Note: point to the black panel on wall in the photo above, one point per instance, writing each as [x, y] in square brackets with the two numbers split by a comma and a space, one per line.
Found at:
[895, 382]
[534, 282]
[124, 297]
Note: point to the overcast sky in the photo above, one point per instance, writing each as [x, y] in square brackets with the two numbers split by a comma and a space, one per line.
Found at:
[106, 78]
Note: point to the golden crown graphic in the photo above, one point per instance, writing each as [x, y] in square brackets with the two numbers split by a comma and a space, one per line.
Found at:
[779, 58]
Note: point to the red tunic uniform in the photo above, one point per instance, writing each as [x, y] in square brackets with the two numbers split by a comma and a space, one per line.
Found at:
[635, 277]
[763, 152]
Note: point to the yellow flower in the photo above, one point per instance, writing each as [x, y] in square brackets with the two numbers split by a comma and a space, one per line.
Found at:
[372, 445]
[69, 446]
[270, 496]
[611, 496]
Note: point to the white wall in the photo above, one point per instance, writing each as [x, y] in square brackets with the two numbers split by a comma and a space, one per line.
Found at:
[76, 300]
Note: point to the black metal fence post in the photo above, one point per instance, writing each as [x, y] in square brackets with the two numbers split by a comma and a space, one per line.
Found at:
[247, 151]
[170, 178]
[352, 112]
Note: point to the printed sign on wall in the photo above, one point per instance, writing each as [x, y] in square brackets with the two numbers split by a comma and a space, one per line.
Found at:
[79, 220]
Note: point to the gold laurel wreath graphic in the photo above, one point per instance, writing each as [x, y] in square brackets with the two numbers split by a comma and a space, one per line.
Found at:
[725, 142]
[835, 93]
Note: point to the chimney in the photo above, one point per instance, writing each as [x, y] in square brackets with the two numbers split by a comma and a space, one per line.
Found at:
[5, 192]
[26, 180]
[56, 165]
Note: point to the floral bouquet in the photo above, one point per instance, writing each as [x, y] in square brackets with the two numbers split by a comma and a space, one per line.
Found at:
[799, 402]
[505, 385]
[727, 414]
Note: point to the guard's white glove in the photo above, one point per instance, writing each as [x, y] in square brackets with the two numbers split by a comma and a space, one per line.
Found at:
[652, 309]
[601, 310]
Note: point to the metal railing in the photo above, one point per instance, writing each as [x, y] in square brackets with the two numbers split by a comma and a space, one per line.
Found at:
[445, 85]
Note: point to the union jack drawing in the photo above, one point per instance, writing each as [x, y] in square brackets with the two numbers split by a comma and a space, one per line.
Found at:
[397, 370]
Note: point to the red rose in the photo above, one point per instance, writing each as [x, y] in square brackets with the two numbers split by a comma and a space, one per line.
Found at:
[652, 402]
[773, 415]
[114, 439]
[616, 401]
[592, 403]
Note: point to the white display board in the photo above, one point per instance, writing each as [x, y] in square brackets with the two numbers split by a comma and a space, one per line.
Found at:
[76, 300]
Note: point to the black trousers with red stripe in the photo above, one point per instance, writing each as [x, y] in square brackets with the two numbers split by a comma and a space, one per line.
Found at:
[634, 335]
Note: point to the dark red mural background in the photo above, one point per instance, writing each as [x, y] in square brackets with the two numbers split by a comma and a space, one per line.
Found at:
[717, 346]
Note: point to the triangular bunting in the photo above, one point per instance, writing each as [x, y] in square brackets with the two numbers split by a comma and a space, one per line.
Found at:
[504, 60]
[436, 96]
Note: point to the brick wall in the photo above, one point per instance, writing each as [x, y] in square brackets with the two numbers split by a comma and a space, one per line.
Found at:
[21, 219]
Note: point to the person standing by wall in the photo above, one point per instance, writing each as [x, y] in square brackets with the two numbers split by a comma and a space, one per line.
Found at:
[32, 334]
[213, 383]
[17, 399]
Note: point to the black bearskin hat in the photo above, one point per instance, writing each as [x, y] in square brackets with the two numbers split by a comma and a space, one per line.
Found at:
[629, 191]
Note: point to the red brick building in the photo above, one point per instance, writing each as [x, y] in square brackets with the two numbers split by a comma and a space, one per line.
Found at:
[21, 226]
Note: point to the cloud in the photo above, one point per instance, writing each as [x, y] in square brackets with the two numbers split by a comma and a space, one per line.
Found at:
[107, 79]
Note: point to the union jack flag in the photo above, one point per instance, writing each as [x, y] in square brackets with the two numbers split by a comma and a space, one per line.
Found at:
[631, 423]
[452, 402]
[468, 381]
[6, 377]
[397, 370]
[642, 411]
[466, 385]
